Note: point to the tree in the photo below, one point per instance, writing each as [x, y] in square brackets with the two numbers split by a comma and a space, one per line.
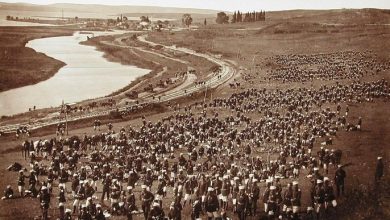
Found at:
[234, 18]
[239, 16]
[222, 18]
[187, 20]
[144, 19]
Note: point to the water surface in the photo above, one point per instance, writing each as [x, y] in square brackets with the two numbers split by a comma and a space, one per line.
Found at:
[87, 75]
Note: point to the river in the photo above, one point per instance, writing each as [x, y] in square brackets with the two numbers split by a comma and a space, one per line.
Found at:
[87, 75]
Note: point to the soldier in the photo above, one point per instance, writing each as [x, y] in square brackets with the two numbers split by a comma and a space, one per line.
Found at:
[68, 214]
[242, 203]
[211, 204]
[339, 180]
[266, 195]
[99, 213]
[225, 191]
[379, 169]
[147, 198]
[8, 193]
[61, 210]
[130, 202]
[175, 210]
[106, 187]
[255, 196]
[329, 195]
[196, 210]
[156, 213]
[74, 185]
[79, 196]
[91, 207]
[62, 198]
[188, 191]
[21, 183]
[63, 178]
[44, 198]
[287, 197]
[272, 200]
[26, 149]
[296, 197]
[319, 196]
[84, 214]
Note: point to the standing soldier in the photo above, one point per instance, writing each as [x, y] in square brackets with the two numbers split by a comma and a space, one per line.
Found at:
[44, 198]
[26, 149]
[272, 200]
[106, 187]
[63, 178]
[196, 210]
[266, 195]
[211, 204]
[379, 169]
[255, 196]
[287, 197]
[329, 195]
[242, 203]
[339, 180]
[296, 197]
[319, 196]
[147, 198]
[225, 191]
[21, 183]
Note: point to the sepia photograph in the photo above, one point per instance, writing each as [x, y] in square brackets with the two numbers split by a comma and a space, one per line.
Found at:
[194, 110]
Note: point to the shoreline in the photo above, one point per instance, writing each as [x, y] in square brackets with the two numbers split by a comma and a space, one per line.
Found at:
[20, 64]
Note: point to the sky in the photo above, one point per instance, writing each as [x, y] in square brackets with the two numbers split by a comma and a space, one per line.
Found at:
[232, 5]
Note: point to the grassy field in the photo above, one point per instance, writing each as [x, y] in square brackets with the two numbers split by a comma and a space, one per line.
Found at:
[21, 66]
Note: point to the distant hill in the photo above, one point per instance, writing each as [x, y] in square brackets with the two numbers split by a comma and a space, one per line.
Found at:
[107, 9]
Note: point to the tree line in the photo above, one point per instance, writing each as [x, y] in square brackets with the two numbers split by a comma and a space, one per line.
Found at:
[248, 17]
[223, 18]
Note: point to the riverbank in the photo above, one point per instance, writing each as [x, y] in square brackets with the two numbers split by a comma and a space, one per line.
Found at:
[21, 66]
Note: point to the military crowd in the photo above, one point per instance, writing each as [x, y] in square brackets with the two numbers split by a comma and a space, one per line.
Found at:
[326, 66]
[217, 164]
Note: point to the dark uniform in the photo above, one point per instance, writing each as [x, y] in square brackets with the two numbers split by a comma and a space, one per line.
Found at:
[339, 180]
[379, 170]
[156, 213]
[242, 205]
[147, 198]
[44, 198]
